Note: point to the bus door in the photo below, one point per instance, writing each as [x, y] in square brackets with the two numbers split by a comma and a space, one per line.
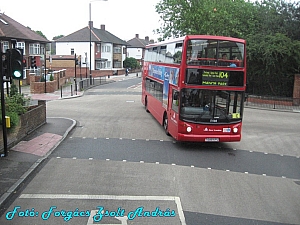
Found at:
[173, 113]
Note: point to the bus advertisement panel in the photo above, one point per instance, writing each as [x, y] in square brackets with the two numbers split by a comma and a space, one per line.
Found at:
[194, 86]
[167, 75]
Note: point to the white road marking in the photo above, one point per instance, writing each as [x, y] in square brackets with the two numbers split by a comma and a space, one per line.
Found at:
[94, 212]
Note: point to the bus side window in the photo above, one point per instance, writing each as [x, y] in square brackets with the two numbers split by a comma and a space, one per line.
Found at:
[175, 100]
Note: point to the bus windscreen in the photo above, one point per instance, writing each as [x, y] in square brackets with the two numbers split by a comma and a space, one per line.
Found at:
[210, 106]
[215, 53]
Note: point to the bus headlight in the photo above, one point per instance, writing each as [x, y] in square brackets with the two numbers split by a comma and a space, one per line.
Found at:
[188, 129]
[235, 130]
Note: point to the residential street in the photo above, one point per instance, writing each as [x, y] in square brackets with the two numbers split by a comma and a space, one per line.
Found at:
[119, 161]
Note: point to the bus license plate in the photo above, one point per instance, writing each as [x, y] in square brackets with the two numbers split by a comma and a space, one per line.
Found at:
[211, 139]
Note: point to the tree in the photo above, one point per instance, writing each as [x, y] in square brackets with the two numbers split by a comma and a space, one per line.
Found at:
[130, 62]
[272, 63]
[40, 33]
[212, 17]
[270, 27]
[273, 49]
[57, 37]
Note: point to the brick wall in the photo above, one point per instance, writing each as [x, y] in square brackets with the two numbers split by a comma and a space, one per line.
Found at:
[29, 122]
[296, 92]
[32, 119]
[70, 72]
[39, 87]
[258, 100]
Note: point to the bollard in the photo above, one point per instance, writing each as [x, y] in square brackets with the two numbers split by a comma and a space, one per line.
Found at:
[91, 80]
[7, 120]
[60, 91]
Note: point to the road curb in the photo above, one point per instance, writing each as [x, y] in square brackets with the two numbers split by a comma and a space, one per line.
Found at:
[14, 187]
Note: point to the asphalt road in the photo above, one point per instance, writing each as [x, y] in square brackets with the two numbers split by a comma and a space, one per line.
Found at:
[118, 159]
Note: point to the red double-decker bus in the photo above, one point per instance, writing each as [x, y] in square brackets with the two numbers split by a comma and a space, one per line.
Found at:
[195, 87]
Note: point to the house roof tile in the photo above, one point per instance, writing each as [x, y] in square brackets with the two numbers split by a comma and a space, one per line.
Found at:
[138, 43]
[97, 35]
[11, 29]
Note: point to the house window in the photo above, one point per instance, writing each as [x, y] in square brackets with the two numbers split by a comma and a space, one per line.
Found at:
[43, 50]
[117, 49]
[5, 45]
[21, 45]
[72, 51]
[108, 64]
[101, 65]
[117, 64]
[105, 48]
[98, 65]
[34, 49]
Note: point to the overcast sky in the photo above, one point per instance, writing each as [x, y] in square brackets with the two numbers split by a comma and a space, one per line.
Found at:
[123, 18]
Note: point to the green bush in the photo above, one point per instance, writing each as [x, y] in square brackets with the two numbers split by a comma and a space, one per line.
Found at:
[51, 77]
[13, 90]
[14, 119]
[130, 63]
[15, 106]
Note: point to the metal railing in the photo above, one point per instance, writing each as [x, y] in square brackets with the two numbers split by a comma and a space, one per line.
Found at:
[79, 85]
[271, 102]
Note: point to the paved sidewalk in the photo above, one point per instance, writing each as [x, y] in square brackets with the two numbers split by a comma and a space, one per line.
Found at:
[67, 91]
[26, 156]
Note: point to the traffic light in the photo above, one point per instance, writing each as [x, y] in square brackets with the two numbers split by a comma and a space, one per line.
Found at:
[33, 62]
[5, 64]
[16, 63]
[24, 63]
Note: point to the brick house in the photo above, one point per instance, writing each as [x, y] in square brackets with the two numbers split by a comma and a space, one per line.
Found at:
[33, 45]
[107, 51]
[136, 48]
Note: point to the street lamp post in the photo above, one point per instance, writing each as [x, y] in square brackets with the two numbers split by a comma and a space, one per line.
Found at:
[90, 25]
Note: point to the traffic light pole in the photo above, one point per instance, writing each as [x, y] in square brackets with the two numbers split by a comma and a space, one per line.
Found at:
[45, 73]
[4, 130]
[75, 75]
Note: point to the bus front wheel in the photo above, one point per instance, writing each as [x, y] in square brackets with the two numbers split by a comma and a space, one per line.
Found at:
[165, 125]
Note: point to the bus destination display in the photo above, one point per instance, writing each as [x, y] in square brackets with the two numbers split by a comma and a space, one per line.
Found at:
[219, 78]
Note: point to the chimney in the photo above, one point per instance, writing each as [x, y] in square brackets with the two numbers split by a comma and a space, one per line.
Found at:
[137, 35]
[147, 39]
[151, 41]
[91, 24]
[102, 26]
